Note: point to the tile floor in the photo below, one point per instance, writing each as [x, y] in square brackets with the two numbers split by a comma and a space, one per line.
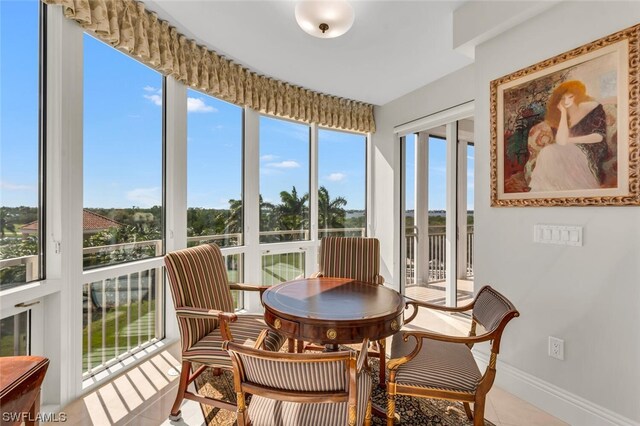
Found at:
[144, 395]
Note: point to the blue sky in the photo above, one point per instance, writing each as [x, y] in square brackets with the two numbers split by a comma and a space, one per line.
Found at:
[437, 173]
[123, 136]
[19, 103]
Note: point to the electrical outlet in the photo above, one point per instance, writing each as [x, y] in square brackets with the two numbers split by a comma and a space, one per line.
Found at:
[556, 348]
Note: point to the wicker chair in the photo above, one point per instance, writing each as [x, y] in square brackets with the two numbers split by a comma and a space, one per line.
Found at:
[439, 366]
[357, 258]
[308, 389]
[202, 297]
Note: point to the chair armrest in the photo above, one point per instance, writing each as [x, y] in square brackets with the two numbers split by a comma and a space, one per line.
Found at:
[393, 364]
[201, 313]
[248, 287]
[198, 313]
[408, 301]
[447, 338]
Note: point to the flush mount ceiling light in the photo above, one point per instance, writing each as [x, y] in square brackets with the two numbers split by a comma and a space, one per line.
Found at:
[324, 19]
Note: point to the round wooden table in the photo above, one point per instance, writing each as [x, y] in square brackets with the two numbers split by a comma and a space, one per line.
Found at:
[333, 311]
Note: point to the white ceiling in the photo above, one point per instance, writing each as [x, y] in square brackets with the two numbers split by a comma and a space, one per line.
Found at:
[393, 47]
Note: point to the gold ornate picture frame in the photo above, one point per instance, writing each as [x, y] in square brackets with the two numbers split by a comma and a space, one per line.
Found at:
[564, 132]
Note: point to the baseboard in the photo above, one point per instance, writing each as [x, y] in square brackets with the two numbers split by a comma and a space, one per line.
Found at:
[556, 401]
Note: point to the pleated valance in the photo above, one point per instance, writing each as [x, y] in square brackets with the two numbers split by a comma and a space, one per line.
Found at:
[128, 26]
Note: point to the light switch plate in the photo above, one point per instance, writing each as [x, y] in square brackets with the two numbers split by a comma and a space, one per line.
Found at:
[558, 234]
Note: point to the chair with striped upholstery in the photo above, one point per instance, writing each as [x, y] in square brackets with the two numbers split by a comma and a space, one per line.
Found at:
[202, 297]
[307, 389]
[436, 365]
[350, 257]
[357, 258]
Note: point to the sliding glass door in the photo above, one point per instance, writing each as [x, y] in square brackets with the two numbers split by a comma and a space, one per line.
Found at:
[437, 219]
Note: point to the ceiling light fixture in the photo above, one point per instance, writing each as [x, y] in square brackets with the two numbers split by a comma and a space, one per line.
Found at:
[324, 19]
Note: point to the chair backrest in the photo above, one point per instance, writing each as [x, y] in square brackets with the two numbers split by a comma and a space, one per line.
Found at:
[493, 311]
[307, 378]
[198, 279]
[357, 258]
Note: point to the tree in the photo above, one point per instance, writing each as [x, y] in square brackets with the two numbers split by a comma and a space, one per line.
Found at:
[331, 213]
[293, 212]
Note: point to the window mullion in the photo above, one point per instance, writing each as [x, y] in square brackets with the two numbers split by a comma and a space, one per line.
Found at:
[251, 203]
[312, 253]
[63, 327]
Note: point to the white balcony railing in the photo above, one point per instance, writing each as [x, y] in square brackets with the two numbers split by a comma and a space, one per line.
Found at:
[437, 255]
[123, 307]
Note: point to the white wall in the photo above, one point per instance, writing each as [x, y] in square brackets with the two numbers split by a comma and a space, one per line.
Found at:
[454, 89]
[589, 296]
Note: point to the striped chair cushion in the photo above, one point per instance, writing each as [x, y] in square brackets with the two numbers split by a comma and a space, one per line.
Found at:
[351, 257]
[270, 412]
[245, 330]
[296, 376]
[490, 307]
[439, 365]
[198, 279]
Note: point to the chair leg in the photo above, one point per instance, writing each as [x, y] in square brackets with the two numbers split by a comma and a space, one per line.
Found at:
[467, 410]
[391, 400]
[242, 410]
[299, 346]
[176, 414]
[291, 345]
[367, 414]
[478, 410]
[383, 362]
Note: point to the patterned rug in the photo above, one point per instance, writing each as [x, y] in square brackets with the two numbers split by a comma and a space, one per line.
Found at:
[412, 411]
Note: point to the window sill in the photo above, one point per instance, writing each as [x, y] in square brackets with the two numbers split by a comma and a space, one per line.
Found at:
[126, 364]
[9, 298]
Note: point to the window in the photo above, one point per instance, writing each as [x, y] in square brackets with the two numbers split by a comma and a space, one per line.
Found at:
[14, 335]
[122, 310]
[214, 171]
[20, 212]
[284, 180]
[122, 217]
[341, 184]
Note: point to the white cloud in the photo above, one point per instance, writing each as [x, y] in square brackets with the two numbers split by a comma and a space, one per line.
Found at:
[16, 187]
[198, 105]
[151, 89]
[269, 157]
[219, 126]
[156, 99]
[145, 197]
[336, 177]
[287, 164]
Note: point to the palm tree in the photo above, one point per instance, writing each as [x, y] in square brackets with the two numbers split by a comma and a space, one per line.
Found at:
[331, 213]
[293, 212]
[233, 222]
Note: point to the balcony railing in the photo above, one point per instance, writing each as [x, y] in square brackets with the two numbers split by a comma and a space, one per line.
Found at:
[123, 308]
[437, 255]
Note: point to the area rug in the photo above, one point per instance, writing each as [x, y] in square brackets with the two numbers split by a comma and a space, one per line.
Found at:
[412, 411]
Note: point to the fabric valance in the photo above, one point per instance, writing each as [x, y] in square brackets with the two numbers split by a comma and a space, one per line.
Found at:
[128, 26]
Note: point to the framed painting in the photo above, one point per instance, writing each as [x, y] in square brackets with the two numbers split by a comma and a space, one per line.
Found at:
[564, 132]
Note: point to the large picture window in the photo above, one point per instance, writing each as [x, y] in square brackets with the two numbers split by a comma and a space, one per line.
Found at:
[341, 184]
[214, 171]
[122, 216]
[123, 206]
[20, 171]
[284, 180]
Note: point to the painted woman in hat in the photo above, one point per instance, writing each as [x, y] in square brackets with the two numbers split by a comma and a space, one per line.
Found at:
[575, 160]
